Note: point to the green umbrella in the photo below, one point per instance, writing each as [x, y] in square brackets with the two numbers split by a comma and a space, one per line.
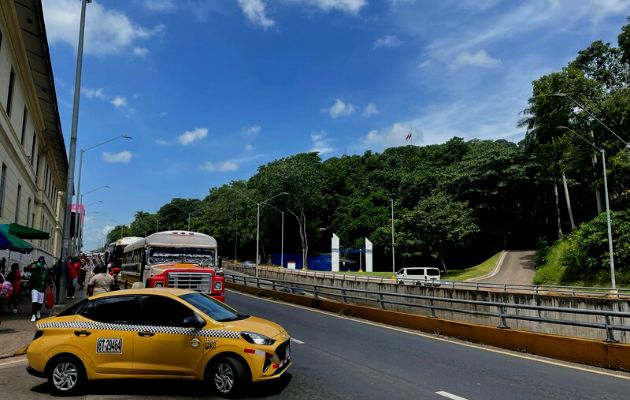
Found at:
[14, 243]
[24, 232]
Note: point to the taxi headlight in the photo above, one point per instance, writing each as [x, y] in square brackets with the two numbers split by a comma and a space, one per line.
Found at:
[257, 338]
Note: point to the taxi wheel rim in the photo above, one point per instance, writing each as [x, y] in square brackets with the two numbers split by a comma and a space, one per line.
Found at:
[224, 378]
[65, 376]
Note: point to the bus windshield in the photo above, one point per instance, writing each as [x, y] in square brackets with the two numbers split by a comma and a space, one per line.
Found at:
[161, 255]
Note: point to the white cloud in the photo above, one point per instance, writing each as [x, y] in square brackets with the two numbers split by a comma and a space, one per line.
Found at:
[339, 109]
[160, 6]
[119, 101]
[349, 6]
[107, 31]
[478, 59]
[188, 137]
[226, 166]
[163, 114]
[390, 137]
[93, 93]
[321, 143]
[387, 41]
[255, 12]
[122, 157]
[162, 142]
[140, 51]
[370, 110]
[253, 130]
[249, 147]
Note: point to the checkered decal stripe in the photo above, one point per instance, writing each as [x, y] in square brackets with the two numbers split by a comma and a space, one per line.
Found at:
[141, 328]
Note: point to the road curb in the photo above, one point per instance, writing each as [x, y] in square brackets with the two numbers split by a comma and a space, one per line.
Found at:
[495, 271]
[584, 351]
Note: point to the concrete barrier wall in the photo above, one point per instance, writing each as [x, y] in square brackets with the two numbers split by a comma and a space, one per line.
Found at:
[584, 303]
[584, 351]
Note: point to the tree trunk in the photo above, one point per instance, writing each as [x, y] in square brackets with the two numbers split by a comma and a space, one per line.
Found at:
[442, 261]
[598, 195]
[301, 220]
[568, 199]
[555, 192]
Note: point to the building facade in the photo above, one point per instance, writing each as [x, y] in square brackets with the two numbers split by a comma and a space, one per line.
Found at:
[33, 159]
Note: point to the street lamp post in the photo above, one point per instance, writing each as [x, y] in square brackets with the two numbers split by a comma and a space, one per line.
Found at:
[65, 240]
[81, 167]
[393, 250]
[580, 106]
[79, 232]
[258, 225]
[610, 240]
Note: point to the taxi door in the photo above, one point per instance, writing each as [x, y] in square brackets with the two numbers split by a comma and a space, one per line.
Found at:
[102, 333]
[162, 345]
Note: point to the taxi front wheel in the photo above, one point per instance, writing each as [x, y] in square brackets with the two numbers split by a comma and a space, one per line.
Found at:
[229, 377]
[66, 375]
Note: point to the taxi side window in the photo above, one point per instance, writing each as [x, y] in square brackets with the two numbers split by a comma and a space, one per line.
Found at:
[116, 309]
[159, 310]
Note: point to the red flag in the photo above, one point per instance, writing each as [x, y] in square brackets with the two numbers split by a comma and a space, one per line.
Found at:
[408, 135]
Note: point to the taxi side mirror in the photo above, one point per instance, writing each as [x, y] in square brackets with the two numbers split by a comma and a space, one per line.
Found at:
[194, 322]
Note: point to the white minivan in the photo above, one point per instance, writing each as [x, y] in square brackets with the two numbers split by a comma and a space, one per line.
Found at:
[418, 276]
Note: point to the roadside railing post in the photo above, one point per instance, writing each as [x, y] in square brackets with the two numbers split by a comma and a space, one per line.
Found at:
[380, 300]
[315, 294]
[258, 282]
[432, 307]
[610, 338]
[292, 287]
[502, 321]
[273, 285]
[343, 294]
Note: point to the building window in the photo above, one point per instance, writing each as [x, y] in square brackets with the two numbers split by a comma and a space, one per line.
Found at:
[33, 144]
[24, 119]
[3, 182]
[17, 204]
[39, 158]
[10, 95]
[28, 211]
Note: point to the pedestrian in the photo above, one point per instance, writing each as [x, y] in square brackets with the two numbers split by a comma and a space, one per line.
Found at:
[15, 277]
[40, 278]
[6, 289]
[101, 282]
[3, 265]
[74, 267]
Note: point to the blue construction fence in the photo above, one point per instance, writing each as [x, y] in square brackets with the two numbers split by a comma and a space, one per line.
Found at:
[322, 262]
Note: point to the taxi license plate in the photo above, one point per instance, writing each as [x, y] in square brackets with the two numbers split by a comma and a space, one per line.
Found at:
[109, 345]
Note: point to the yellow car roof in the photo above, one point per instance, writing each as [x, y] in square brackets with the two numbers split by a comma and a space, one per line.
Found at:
[160, 291]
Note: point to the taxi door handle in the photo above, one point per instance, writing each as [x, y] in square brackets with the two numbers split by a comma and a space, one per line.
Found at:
[145, 333]
[82, 333]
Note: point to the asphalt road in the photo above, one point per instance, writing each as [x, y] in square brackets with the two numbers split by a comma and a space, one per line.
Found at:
[339, 358]
[517, 269]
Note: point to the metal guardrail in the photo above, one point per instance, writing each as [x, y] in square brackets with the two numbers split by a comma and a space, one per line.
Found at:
[620, 293]
[382, 299]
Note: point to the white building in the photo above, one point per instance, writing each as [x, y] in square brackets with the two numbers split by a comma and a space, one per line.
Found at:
[33, 160]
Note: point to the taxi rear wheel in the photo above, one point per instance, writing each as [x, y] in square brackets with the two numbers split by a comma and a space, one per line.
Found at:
[228, 377]
[66, 375]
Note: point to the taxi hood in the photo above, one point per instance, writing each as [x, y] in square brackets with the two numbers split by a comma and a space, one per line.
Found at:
[258, 325]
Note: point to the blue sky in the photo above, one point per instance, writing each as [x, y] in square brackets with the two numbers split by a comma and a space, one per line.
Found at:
[210, 90]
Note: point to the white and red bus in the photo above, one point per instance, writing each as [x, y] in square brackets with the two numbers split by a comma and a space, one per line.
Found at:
[181, 259]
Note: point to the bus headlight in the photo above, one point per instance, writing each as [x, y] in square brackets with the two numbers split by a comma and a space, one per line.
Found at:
[218, 285]
[159, 284]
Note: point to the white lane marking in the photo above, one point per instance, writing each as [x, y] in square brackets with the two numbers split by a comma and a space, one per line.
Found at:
[13, 361]
[428, 336]
[450, 396]
[294, 340]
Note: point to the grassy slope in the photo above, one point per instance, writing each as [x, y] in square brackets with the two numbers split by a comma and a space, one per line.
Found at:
[552, 271]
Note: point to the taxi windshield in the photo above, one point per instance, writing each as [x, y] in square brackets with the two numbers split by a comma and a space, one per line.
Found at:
[212, 308]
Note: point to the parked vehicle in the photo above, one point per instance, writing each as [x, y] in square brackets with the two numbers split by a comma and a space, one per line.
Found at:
[157, 333]
[423, 276]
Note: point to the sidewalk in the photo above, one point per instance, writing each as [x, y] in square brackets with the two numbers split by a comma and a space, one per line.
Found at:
[17, 330]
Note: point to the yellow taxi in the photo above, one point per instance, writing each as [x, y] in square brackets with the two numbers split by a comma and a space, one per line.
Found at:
[157, 334]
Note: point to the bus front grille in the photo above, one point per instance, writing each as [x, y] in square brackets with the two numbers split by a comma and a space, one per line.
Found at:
[201, 282]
